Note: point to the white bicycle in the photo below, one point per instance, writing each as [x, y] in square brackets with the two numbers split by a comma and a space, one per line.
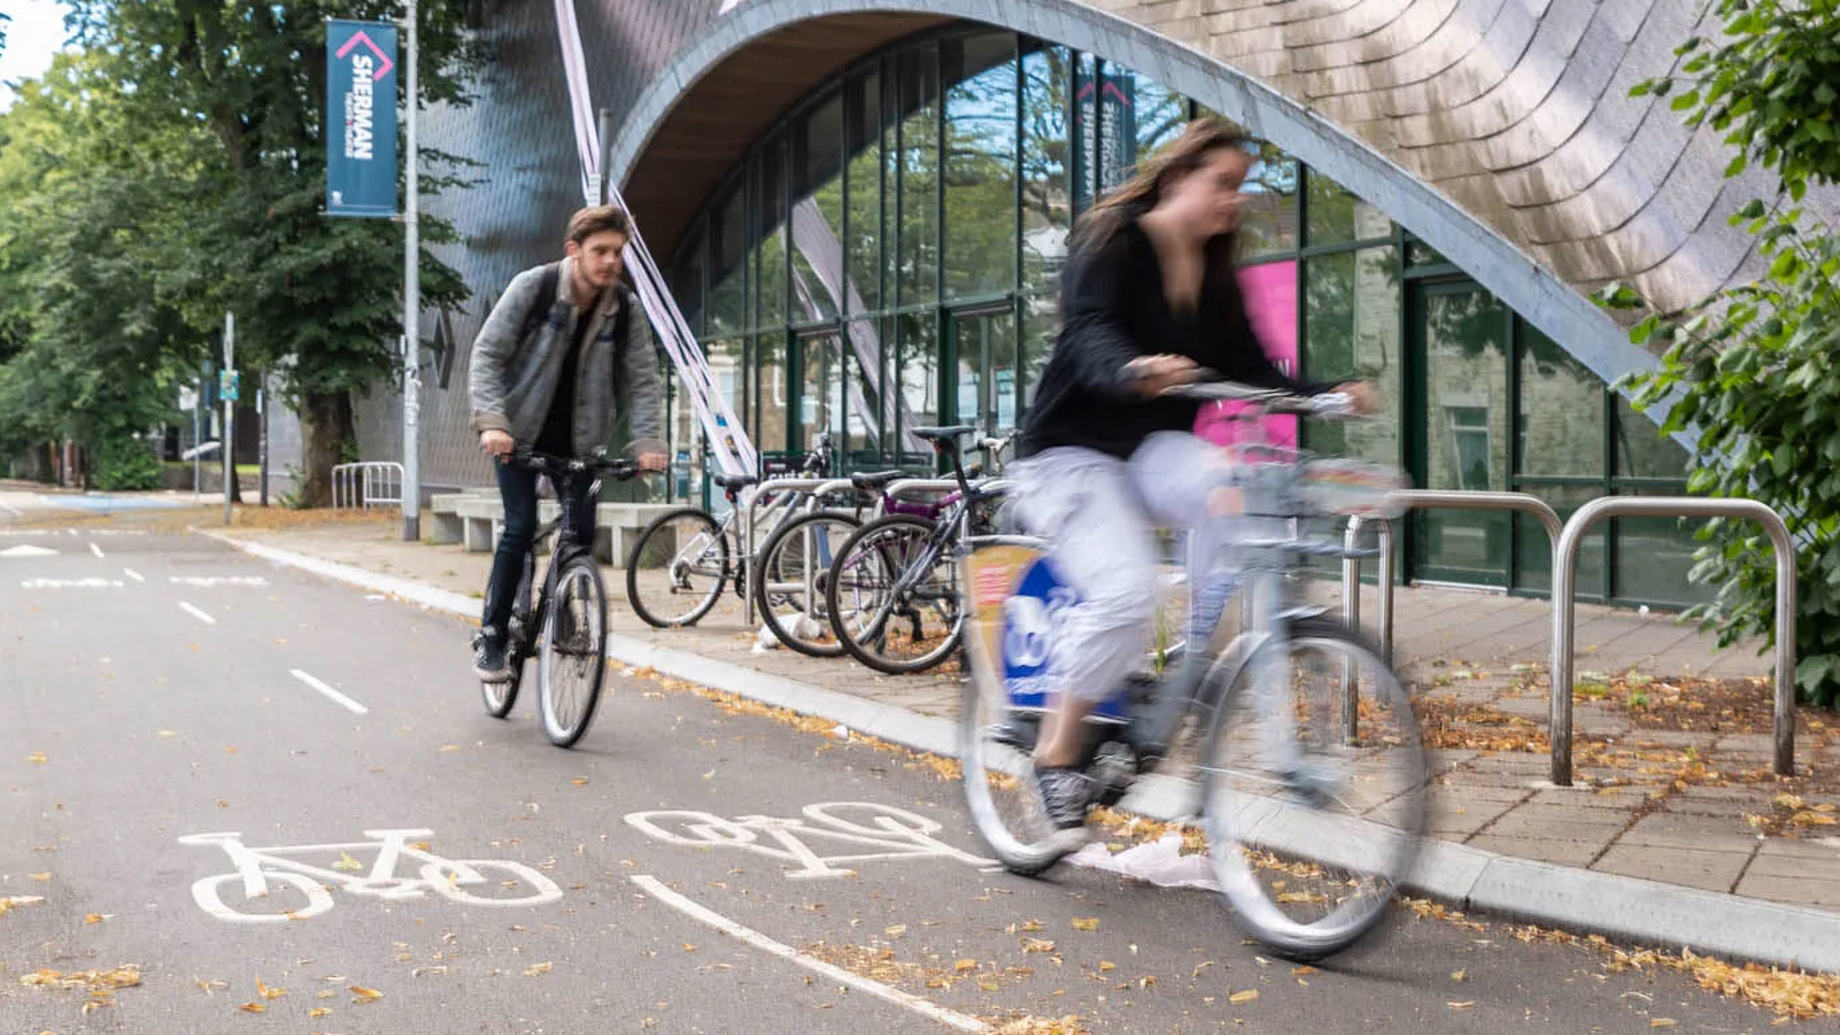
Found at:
[469, 881]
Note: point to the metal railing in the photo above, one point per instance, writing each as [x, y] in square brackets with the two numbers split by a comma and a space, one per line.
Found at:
[772, 489]
[1565, 563]
[1427, 499]
[368, 483]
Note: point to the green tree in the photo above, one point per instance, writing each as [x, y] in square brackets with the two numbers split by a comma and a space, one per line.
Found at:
[89, 348]
[317, 300]
[1751, 368]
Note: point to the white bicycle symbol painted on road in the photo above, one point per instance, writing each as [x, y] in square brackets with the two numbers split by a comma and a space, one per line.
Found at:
[469, 881]
[879, 832]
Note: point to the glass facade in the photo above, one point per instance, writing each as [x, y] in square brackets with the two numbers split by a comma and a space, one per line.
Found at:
[887, 257]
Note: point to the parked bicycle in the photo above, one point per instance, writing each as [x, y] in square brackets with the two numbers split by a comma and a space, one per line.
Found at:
[678, 567]
[565, 628]
[892, 595]
[1311, 770]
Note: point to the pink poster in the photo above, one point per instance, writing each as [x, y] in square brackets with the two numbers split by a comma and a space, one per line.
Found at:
[1270, 289]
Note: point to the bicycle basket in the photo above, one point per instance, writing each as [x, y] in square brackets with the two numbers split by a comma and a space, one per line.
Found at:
[1339, 485]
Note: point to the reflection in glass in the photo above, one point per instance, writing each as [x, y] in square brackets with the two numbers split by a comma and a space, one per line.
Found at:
[1157, 115]
[985, 378]
[1533, 548]
[1466, 441]
[770, 413]
[770, 211]
[1270, 224]
[1046, 202]
[980, 184]
[1041, 323]
[865, 200]
[1338, 217]
[821, 403]
[1641, 450]
[1351, 324]
[1561, 411]
[1086, 130]
[918, 367]
[863, 420]
[727, 266]
[1653, 557]
[917, 259]
[817, 213]
[687, 280]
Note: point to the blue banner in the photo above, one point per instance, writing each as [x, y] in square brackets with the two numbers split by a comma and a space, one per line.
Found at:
[360, 118]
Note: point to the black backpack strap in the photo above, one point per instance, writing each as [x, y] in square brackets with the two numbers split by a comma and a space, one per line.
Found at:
[546, 301]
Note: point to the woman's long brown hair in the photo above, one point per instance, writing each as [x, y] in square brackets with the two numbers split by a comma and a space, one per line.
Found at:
[1144, 189]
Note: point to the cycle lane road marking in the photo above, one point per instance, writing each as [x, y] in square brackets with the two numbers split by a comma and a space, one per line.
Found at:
[749, 936]
[196, 613]
[337, 697]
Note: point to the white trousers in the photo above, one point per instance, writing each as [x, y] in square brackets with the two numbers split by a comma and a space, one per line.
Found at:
[1098, 513]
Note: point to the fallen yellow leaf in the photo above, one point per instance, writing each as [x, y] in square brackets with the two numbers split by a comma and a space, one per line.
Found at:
[37, 756]
[1243, 997]
[93, 918]
[1037, 945]
[450, 747]
[267, 992]
[1087, 923]
[252, 1008]
[1662, 1022]
[1299, 971]
[963, 965]
[319, 1011]
[896, 931]
[540, 968]
[346, 863]
[1466, 1004]
[39, 876]
[1105, 965]
[364, 995]
[1459, 975]
[579, 782]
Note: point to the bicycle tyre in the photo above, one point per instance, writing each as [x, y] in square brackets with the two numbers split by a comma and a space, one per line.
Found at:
[1336, 852]
[501, 696]
[571, 649]
[878, 547]
[823, 644]
[650, 547]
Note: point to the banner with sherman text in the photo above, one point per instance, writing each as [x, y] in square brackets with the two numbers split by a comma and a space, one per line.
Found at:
[360, 118]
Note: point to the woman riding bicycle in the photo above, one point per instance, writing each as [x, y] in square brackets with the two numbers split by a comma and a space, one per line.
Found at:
[1149, 300]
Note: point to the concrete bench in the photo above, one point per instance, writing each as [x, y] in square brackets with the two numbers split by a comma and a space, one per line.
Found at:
[445, 525]
[477, 521]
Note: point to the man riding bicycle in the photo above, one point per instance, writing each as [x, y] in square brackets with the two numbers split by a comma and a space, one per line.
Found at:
[562, 356]
[1149, 300]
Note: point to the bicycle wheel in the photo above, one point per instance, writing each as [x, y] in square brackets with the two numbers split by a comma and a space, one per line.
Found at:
[500, 695]
[677, 569]
[1311, 830]
[995, 743]
[893, 599]
[571, 664]
[790, 581]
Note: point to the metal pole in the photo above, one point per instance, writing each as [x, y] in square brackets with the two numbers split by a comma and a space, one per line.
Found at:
[598, 187]
[1351, 617]
[412, 309]
[1565, 561]
[197, 441]
[262, 412]
[229, 413]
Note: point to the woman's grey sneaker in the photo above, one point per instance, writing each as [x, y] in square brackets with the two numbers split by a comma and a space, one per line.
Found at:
[489, 657]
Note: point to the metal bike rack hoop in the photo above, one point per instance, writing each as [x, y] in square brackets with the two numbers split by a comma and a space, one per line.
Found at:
[1565, 563]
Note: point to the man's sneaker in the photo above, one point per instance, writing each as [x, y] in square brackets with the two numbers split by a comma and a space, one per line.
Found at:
[1064, 795]
[489, 657]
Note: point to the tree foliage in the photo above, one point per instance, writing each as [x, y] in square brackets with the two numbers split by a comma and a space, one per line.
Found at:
[1752, 368]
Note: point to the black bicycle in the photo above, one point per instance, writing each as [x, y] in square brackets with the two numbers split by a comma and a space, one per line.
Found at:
[570, 612]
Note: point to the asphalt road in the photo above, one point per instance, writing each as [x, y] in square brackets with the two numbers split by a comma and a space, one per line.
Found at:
[151, 694]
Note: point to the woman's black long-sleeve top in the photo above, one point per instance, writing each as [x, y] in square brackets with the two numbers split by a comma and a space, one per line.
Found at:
[1113, 310]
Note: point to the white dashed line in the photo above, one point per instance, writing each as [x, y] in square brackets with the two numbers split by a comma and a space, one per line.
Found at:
[135, 575]
[195, 613]
[329, 692]
[97, 550]
[923, 1007]
[10, 509]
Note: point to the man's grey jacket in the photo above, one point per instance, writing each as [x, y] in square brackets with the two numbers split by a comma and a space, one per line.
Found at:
[512, 376]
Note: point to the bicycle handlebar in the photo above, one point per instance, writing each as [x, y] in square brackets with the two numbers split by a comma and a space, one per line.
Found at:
[619, 468]
[1270, 400]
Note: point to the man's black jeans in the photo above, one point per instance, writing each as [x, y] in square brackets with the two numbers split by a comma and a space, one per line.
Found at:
[517, 485]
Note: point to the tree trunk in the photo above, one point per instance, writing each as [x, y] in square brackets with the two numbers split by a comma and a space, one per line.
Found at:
[325, 427]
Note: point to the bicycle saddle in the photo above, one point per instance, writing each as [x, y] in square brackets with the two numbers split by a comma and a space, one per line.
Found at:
[944, 434]
[734, 482]
[876, 479]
